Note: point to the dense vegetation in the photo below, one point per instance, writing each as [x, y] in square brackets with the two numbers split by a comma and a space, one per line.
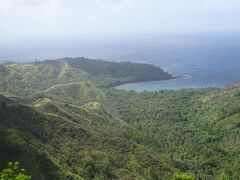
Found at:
[112, 73]
[32, 78]
[57, 119]
[197, 131]
[14, 172]
[55, 140]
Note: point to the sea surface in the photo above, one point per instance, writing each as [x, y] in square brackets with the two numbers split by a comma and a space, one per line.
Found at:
[204, 60]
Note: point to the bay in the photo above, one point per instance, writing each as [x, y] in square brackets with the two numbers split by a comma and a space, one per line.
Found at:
[204, 60]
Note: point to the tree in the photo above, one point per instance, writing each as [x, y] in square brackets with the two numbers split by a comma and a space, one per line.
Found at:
[90, 168]
[14, 172]
[182, 176]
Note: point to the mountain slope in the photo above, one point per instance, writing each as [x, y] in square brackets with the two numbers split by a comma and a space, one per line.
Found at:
[197, 131]
[108, 74]
[27, 79]
[57, 120]
[75, 93]
[73, 145]
[32, 78]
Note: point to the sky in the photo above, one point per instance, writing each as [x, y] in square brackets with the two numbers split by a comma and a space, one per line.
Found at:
[29, 19]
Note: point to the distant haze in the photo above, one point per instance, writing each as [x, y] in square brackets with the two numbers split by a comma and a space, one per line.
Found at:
[34, 19]
[112, 29]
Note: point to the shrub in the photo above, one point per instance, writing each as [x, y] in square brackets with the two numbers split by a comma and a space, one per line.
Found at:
[182, 176]
[14, 172]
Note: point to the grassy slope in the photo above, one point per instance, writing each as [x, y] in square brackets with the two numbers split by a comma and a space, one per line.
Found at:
[33, 78]
[26, 79]
[59, 140]
[75, 93]
[67, 122]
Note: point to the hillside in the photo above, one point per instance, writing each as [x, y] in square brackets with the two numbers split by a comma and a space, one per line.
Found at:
[54, 142]
[32, 78]
[61, 122]
[109, 74]
[26, 79]
[196, 130]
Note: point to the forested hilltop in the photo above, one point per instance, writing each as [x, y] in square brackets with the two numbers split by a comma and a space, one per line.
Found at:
[61, 120]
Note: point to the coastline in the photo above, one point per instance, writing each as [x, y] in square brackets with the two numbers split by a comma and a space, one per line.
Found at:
[174, 78]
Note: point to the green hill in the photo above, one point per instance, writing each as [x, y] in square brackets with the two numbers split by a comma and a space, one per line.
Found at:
[75, 93]
[32, 78]
[27, 79]
[54, 142]
[196, 130]
[109, 74]
[61, 122]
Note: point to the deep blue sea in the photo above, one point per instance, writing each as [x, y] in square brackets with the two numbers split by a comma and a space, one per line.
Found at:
[205, 60]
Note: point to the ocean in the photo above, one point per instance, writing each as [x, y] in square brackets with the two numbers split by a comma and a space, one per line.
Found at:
[204, 60]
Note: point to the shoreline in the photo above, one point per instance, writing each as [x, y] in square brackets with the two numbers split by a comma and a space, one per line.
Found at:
[174, 77]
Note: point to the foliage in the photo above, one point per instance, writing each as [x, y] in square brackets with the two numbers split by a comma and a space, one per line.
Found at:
[194, 130]
[34, 78]
[112, 73]
[14, 172]
[182, 176]
[60, 124]
[67, 136]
